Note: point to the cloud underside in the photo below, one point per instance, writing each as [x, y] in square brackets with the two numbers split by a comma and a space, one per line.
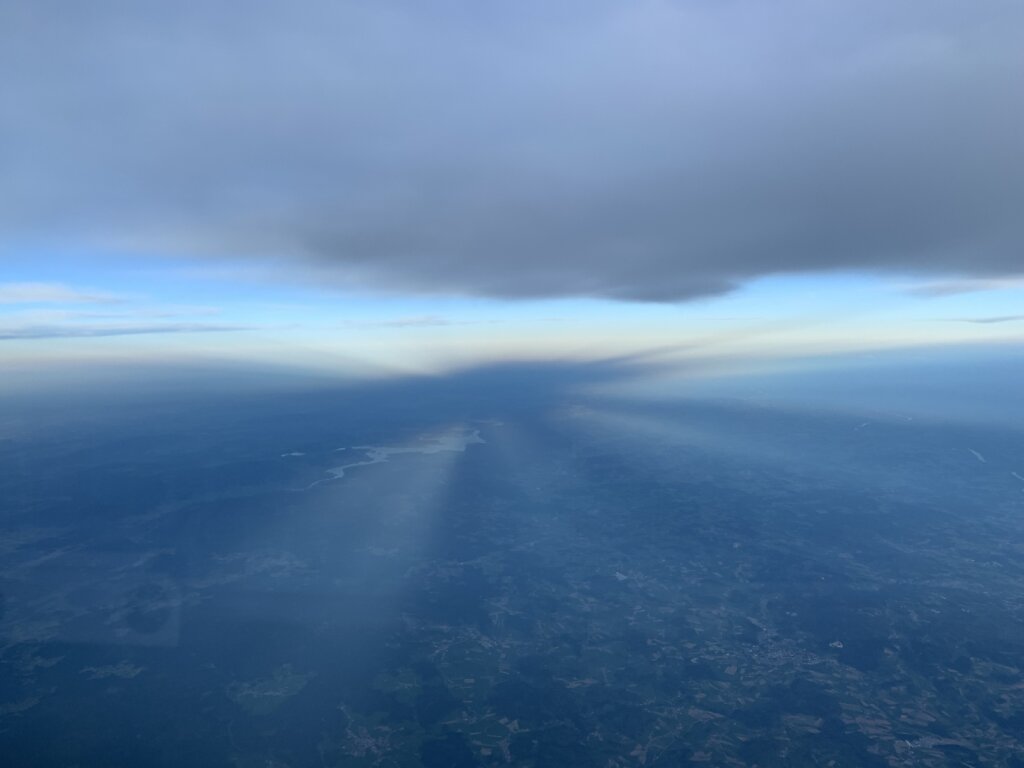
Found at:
[642, 151]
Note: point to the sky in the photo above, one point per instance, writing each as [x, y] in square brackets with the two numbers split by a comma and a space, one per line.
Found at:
[398, 187]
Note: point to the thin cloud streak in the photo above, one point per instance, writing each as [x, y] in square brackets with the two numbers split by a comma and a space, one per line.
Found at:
[53, 293]
[57, 316]
[419, 321]
[80, 332]
[959, 286]
[989, 320]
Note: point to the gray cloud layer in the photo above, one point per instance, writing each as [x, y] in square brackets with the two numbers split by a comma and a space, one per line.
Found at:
[650, 150]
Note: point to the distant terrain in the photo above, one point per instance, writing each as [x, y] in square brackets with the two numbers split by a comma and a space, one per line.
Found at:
[506, 567]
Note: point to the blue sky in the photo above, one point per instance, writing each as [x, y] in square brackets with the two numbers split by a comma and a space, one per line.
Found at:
[101, 306]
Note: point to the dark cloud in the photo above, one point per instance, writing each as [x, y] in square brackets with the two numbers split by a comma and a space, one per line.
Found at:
[650, 150]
